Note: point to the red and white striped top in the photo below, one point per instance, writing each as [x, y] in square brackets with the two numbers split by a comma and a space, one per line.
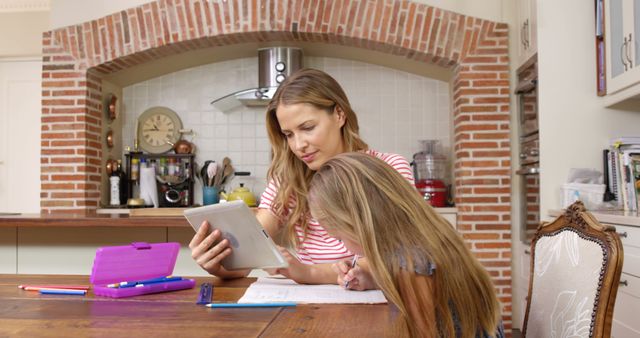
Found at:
[318, 246]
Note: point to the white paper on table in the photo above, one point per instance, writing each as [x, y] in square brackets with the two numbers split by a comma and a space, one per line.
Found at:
[267, 289]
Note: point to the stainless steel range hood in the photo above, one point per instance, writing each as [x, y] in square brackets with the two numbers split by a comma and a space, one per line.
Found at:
[274, 65]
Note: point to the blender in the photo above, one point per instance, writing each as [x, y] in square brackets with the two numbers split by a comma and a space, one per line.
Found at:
[429, 169]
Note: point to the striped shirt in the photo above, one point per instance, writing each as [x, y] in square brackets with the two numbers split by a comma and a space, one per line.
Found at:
[318, 246]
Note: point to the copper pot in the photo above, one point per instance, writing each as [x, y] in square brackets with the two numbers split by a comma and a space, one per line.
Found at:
[182, 147]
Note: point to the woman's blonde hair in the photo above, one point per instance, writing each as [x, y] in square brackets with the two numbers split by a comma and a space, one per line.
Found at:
[317, 88]
[369, 202]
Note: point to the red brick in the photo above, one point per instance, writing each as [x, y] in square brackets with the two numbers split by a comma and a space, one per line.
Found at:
[431, 35]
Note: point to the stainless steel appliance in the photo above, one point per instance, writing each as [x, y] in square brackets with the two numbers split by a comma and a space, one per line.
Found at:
[275, 64]
[428, 168]
[529, 170]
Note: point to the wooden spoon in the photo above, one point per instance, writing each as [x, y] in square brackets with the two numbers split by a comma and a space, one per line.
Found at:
[225, 163]
[227, 172]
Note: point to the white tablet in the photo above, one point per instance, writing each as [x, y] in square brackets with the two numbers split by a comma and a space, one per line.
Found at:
[252, 246]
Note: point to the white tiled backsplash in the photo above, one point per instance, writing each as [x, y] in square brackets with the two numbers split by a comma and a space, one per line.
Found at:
[395, 109]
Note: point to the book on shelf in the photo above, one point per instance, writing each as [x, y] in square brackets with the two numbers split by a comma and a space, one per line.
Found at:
[625, 141]
[599, 18]
[635, 177]
[623, 166]
[601, 74]
[614, 176]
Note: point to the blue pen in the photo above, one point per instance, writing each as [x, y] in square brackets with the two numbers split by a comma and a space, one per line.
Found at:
[150, 281]
[243, 305]
[62, 292]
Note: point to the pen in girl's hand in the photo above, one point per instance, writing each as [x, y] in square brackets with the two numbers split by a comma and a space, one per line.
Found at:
[353, 265]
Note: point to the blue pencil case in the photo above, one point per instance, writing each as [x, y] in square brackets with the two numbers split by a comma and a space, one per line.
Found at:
[139, 261]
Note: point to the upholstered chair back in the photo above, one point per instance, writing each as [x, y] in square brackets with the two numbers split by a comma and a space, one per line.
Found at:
[575, 269]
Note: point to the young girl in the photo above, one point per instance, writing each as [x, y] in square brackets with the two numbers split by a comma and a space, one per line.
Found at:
[309, 121]
[415, 256]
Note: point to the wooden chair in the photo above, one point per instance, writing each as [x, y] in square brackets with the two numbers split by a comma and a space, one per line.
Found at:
[576, 264]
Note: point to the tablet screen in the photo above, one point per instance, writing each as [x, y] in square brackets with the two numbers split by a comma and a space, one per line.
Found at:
[252, 247]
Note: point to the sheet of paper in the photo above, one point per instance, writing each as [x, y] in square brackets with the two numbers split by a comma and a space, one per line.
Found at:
[267, 289]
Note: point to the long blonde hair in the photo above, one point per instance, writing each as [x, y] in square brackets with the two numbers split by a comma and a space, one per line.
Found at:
[369, 202]
[316, 88]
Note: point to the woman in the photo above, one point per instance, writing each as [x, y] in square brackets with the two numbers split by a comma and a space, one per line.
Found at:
[416, 258]
[309, 121]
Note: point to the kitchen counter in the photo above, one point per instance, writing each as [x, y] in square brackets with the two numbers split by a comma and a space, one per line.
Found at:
[94, 219]
[90, 219]
[631, 218]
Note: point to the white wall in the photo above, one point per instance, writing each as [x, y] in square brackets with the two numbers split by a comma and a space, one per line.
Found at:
[484, 9]
[21, 33]
[72, 12]
[574, 125]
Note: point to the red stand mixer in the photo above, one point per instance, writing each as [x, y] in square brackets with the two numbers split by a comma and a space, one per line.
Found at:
[429, 169]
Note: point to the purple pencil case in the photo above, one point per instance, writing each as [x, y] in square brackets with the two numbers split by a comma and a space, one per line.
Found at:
[135, 262]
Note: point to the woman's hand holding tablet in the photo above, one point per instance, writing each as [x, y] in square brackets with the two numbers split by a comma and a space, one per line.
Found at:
[249, 244]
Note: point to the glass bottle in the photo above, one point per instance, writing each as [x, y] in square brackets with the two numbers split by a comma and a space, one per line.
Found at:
[124, 186]
[135, 168]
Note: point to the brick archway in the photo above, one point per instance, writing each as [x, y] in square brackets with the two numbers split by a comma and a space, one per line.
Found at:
[77, 57]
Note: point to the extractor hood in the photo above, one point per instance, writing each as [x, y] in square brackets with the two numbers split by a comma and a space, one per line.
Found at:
[274, 65]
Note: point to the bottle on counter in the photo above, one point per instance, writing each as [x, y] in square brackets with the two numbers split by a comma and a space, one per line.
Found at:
[135, 168]
[115, 190]
[186, 168]
[163, 166]
[154, 165]
[172, 166]
[114, 183]
[124, 186]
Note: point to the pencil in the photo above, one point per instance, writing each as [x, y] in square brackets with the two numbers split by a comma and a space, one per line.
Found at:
[52, 286]
[36, 288]
[353, 265]
[244, 305]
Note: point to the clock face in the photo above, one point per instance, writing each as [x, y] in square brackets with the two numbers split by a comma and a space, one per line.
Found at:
[158, 128]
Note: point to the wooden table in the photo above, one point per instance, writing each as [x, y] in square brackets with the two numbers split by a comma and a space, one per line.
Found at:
[174, 314]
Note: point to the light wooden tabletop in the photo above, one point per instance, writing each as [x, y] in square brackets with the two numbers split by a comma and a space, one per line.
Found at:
[174, 314]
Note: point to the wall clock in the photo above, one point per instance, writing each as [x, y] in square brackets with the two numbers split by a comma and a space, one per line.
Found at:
[158, 128]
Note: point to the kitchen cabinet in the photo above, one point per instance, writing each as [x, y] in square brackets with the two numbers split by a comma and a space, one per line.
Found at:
[622, 29]
[522, 270]
[625, 322]
[20, 80]
[527, 30]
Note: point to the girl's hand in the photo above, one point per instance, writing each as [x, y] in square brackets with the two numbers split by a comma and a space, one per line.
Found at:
[358, 277]
[300, 273]
[207, 255]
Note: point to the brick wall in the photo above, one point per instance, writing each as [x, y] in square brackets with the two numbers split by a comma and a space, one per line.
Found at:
[77, 57]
